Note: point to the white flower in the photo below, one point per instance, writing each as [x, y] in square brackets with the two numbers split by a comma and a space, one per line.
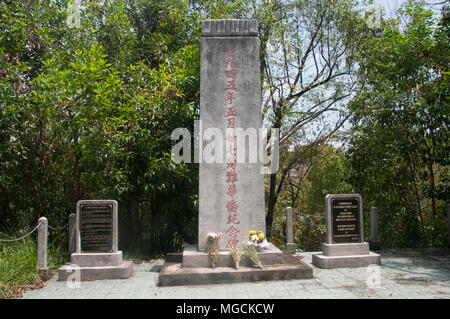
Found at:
[254, 238]
[213, 235]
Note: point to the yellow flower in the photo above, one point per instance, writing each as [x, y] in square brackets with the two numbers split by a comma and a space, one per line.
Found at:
[261, 236]
[252, 232]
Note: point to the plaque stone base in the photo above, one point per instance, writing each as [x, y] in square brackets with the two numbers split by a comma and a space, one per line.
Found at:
[291, 248]
[345, 256]
[193, 267]
[96, 259]
[96, 266]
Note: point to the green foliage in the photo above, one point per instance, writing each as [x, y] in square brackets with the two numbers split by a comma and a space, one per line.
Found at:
[322, 172]
[399, 147]
[224, 9]
[87, 112]
[327, 176]
[18, 265]
[307, 68]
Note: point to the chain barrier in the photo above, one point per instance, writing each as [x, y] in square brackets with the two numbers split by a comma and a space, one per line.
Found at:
[24, 236]
[57, 229]
[20, 238]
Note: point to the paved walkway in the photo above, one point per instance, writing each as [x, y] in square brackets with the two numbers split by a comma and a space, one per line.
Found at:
[420, 274]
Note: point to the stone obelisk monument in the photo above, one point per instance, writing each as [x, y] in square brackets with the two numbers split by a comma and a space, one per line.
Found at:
[231, 195]
[231, 191]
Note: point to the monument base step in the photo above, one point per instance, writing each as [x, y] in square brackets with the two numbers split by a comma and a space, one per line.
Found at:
[192, 258]
[330, 262]
[123, 271]
[96, 259]
[173, 274]
[348, 249]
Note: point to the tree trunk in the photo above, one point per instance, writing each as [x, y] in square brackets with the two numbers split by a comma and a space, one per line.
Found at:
[433, 190]
[271, 204]
[7, 205]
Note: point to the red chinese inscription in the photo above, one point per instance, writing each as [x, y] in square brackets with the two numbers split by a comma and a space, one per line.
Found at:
[232, 207]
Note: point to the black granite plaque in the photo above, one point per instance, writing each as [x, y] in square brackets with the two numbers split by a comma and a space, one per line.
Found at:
[345, 221]
[96, 227]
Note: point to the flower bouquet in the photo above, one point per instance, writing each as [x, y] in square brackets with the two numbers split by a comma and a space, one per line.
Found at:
[257, 239]
[212, 241]
[236, 253]
[250, 252]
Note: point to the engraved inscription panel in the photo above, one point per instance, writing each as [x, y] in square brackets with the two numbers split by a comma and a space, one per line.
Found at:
[96, 227]
[345, 221]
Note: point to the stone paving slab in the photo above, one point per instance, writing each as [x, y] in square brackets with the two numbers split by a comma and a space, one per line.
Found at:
[406, 274]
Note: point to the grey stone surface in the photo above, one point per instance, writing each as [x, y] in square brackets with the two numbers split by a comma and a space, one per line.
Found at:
[42, 243]
[344, 255]
[218, 37]
[97, 265]
[345, 249]
[291, 248]
[96, 259]
[192, 258]
[43, 270]
[173, 274]
[404, 274]
[122, 271]
[349, 261]
[230, 27]
[374, 241]
[290, 245]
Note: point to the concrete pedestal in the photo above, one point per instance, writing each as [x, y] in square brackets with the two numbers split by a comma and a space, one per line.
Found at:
[291, 248]
[96, 253]
[96, 259]
[194, 268]
[45, 274]
[345, 256]
[96, 266]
